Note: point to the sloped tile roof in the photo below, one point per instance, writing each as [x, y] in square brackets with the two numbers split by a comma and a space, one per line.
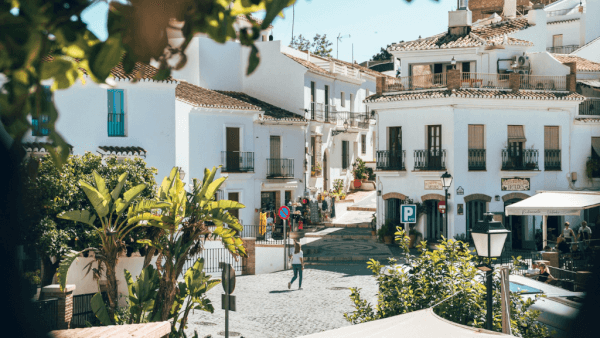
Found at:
[41, 146]
[583, 65]
[479, 36]
[587, 45]
[271, 111]
[311, 66]
[562, 21]
[118, 150]
[202, 97]
[475, 93]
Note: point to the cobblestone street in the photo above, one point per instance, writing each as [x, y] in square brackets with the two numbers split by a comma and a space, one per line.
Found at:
[266, 308]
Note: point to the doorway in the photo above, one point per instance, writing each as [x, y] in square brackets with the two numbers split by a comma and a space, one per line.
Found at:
[516, 224]
[434, 147]
[435, 221]
[395, 147]
[233, 149]
[553, 227]
[325, 173]
[275, 156]
[234, 196]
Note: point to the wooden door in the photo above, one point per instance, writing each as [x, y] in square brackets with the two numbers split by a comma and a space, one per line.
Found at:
[275, 156]
[515, 154]
[434, 147]
[234, 196]
[435, 221]
[312, 100]
[475, 211]
[326, 107]
[233, 149]
[325, 173]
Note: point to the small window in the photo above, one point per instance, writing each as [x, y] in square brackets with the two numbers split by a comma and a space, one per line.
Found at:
[39, 126]
[345, 155]
[116, 112]
[343, 99]
[363, 144]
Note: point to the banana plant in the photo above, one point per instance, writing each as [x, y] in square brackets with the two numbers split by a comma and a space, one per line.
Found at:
[183, 224]
[142, 293]
[110, 208]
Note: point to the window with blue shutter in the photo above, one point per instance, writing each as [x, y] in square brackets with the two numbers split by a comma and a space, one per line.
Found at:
[39, 125]
[116, 113]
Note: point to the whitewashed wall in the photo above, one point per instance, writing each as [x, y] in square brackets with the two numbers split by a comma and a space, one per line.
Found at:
[591, 51]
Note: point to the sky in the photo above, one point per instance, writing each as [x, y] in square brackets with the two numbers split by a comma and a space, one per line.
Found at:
[371, 24]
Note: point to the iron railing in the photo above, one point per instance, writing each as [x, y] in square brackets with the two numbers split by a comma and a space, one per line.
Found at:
[543, 82]
[354, 120]
[558, 12]
[280, 167]
[476, 159]
[416, 82]
[390, 159]
[321, 112]
[481, 80]
[212, 258]
[591, 106]
[260, 233]
[430, 159]
[47, 310]
[83, 312]
[116, 124]
[568, 49]
[552, 159]
[524, 159]
[237, 161]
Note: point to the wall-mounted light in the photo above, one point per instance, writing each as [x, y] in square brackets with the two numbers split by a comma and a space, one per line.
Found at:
[497, 197]
[378, 192]
[453, 63]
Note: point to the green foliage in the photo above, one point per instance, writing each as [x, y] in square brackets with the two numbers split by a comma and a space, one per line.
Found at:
[447, 276]
[320, 45]
[99, 309]
[461, 237]
[338, 186]
[137, 32]
[142, 293]
[359, 169]
[33, 277]
[383, 231]
[592, 168]
[382, 55]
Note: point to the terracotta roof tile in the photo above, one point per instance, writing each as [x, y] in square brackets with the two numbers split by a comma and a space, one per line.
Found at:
[563, 21]
[271, 111]
[583, 65]
[479, 36]
[475, 93]
[311, 66]
[588, 120]
[117, 150]
[202, 97]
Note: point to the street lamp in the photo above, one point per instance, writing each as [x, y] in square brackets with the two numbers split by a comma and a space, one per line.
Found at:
[489, 237]
[446, 182]
[337, 132]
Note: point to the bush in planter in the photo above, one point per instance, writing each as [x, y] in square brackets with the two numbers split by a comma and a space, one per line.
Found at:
[359, 169]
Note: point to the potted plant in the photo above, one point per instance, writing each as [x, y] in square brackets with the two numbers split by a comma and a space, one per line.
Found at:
[373, 224]
[318, 169]
[382, 232]
[358, 169]
[414, 235]
[388, 237]
[343, 196]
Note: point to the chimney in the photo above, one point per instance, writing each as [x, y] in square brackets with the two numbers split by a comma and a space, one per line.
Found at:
[459, 21]
[510, 9]
[537, 15]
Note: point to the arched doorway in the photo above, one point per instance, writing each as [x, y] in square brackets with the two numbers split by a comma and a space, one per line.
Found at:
[516, 224]
[435, 220]
[476, 206]
[325, 173]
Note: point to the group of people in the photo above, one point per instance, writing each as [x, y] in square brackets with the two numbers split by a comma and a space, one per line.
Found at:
[567, 237]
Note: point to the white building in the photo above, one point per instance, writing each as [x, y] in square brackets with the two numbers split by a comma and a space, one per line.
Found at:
[501, 135]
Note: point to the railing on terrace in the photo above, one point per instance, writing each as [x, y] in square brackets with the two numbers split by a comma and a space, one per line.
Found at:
[568, 49]
[476, 159]
[280, 167]
[321, 112]
[522, 159]
[260, 233]
[481, 80]
[354, 120]
[552, 159]
[543, 82]
[430, 159]
[212, 258]
[237, 161]
[345, 70]
[390, 159]
[558, 12]
[416, 82]
[591, 106]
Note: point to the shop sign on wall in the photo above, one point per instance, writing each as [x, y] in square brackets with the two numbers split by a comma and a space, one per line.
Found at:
[433, 185]
[515, 184]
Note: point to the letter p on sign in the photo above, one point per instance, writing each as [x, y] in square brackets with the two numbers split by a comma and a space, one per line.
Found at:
[408, 213]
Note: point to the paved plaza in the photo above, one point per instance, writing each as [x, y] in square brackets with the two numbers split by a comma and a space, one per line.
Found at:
[266, 308]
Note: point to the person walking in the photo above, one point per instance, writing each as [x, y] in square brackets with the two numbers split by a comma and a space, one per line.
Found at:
[584, 234]
[297, 264]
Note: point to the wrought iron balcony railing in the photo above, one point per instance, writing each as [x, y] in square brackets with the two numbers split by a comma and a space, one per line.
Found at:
[476, 159]
[321, 112]
[430, 159]
[525, 159]
[354, 120]
[391, 159]
[280, 167]
[237, 161]
[591, 106]
[552, 159]
[568, 49]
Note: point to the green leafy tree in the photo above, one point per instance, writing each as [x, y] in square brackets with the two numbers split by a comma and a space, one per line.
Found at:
[382, 55]
[49, 192]
[447, 277]
[32, 30]
[183, 218]
[300, 43]
[320, 45]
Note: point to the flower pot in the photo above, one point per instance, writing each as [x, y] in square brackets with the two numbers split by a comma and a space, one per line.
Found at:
[387, 239]
[413, 239]
[357, 183]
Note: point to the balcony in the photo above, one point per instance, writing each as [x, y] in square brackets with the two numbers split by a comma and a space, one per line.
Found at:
[354, 120]
[543, 82]
[280, 168]
[390, 159]
[39, 126]
[430, 159]
[476, 159]
[416, 82]
[116, 124]
[559, 12]
[525, 159]
[568, 49]
[552, 159]
[482, 80]
[320, 112]
[237, 161]
[591, 106]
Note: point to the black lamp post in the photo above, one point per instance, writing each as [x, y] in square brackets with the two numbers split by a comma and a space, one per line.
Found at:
[446, 182]
[489, 237]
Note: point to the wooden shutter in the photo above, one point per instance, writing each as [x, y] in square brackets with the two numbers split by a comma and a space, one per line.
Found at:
[313, 152]
[363, 144]
[516, 134]
[275, 147]
[476, 136]
[551, 139]
[345, 154]
[111, 102]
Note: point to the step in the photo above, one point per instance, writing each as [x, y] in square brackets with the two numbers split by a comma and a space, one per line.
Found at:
[348, 225]
[352, 208]
[361, 258]
[313, 235]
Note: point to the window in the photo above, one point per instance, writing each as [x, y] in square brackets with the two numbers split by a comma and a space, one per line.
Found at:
[557, 40]
[363, 144]
[345, 155]
[312, 153]
[516, 144]
[116, 113]
[476, 147]
[313, 97]
[551, 148]
[39, 124]
[343, 99]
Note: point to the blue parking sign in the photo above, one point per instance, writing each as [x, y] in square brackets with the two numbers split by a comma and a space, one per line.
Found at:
[408, 213]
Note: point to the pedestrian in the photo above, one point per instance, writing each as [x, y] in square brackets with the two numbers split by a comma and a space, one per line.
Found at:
[269, 234]
[568, 233]
[297, 264]
[584, 234]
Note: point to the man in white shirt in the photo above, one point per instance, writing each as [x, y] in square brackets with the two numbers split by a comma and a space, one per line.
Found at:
[269, 233]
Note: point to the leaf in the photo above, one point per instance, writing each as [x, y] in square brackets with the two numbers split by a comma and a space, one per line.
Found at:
[207, 192]
[99, 309]
[96, 198]
[65, 264]
[117, 190]
[105, 56]
[101, 185]
[225, 205]
[82, 216]
[253, 60]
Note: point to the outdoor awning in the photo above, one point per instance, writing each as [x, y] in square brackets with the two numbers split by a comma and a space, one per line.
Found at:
[516, 134]
[422, 324]
[596, 145]
[590, 83]
[555, 203]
